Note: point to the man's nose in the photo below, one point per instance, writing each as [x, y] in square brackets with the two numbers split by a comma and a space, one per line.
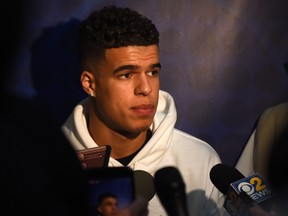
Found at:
[143, 86]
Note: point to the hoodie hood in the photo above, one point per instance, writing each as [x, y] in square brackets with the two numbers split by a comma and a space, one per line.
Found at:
[75, 129]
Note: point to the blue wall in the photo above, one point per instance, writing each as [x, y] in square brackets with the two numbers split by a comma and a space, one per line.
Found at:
[222, 61]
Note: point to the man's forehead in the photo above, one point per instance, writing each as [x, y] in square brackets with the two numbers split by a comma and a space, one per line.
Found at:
[132, 55]
[132, 50]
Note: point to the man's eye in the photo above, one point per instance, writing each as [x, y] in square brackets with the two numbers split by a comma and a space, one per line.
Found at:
[125, 76]
[153, 73]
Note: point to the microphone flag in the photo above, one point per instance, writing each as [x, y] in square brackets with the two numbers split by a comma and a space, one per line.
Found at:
[246, 192]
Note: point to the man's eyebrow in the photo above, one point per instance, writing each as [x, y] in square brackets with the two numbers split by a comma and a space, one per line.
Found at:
[125, 67]
[133, 67]
[158, 65]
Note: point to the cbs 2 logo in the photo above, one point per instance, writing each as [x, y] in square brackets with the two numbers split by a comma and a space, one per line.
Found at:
[255, 183]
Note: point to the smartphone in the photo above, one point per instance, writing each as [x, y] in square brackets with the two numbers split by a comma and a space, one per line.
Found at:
[116, 180]
[96, 156]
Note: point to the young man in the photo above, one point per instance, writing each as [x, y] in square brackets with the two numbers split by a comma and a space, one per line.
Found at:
[119, 56]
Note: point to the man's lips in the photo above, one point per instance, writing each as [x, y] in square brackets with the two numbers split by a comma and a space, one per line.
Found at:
[144, 109]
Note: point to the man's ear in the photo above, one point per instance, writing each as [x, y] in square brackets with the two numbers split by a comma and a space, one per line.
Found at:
[88, 84]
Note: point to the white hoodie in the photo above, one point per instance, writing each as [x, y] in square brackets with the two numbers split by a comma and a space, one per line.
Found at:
[168, 146]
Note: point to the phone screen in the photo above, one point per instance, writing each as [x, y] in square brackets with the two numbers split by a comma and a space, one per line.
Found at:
[116, 180]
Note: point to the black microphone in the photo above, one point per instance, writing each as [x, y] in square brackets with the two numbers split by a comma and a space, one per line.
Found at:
[241, 192]
[144, 184]
[170, 188]
[222, 175]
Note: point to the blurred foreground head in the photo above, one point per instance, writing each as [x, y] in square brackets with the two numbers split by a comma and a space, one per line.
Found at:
[12, 25]
[40, 172]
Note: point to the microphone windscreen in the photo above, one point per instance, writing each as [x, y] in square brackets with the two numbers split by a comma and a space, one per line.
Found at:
[222, 175]
[170, 189]
[175, 178]
[144, 184]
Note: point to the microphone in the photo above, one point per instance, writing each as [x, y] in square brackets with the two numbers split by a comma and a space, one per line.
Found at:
[144, 190]
[144, 184]
[170, 188]
[241, 192]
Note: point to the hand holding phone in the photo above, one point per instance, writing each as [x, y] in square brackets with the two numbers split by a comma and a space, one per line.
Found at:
[94, 157]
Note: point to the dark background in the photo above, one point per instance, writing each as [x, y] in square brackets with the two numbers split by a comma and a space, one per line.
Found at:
[222, 60]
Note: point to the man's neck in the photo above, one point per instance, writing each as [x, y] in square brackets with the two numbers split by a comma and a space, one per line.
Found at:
[122, 145]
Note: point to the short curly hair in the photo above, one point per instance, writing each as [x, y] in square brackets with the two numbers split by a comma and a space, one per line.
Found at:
[113, 27]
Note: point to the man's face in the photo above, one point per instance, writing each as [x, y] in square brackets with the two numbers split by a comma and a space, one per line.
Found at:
[108, 206]
[127, 88]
